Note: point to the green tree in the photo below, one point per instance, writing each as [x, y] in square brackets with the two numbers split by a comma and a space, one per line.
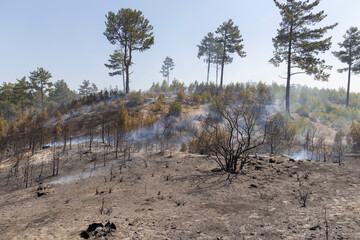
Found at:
[350, 55]
[8, 101]
[207, 49]
[217, 59]
[21, 91]
[117, 65]
[87, 88]
[40, 82]
[62, 93]
[131, 31]
[230, 40]
[167, 66]
[298, 44]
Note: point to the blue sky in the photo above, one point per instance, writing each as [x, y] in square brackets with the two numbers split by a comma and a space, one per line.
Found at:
[66, 38]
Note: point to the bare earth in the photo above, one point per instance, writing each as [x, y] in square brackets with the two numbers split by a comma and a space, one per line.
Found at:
[180, 197]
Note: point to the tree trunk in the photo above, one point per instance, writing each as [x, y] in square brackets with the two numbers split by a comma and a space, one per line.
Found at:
[348, 86]
[42, 97]
[217, 71]
[208, 70]
[287, 96]
[222, 64]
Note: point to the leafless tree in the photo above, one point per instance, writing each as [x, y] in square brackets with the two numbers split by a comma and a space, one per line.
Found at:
[339, 147]
[231, 130]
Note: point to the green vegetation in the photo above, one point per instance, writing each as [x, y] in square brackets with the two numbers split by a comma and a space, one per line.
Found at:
[167, 66]
[297, 44]
[350, 55]
[175, 108]
[131, 31]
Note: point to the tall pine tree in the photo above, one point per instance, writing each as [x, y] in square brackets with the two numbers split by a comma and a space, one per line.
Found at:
[40, 82]
[350, 55]
[298, 43]
[230, 41]
[167, 66]
[207, 49]
[131, 31]
[116, 64]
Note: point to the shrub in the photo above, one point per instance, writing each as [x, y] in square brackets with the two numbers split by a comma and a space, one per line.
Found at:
[183, 147]
[181, 96]
[303, 111]
[157, 107]
[175, 108]
[196, 99]
[135, 98]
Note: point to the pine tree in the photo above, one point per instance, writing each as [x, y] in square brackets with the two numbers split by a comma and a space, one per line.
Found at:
[350, 55]
[132, 32]
[230, 40]
[298, 44]
[167, 66]
[61, 93]
[207, 49]
[86, 88]
[21, 91]
[116, 64]
[8, 101]
[40, 82]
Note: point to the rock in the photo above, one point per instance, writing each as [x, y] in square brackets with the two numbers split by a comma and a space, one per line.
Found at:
[92, 227]
[291, 160]
[271, 160]
[110, 225]
[314, 228]
[39, 194]
[98, 230]
[84, 234]
[253, 186]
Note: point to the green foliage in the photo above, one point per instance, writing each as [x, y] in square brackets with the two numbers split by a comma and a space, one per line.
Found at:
[175, 108]
[157, 107]
[165, 86]
[196, 99]
[303, 111]
[205, 97]
[230, 40]
[350, 55]
[167, 66]
[297, 44]
[61, 93]
[181, 96]
[116, 63]
[40, 82]
[208, 49]
[87, 88]
[177, 86]
[135, 99]
[132, 32]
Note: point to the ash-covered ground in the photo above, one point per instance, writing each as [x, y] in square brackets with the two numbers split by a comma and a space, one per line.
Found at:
[156, 196]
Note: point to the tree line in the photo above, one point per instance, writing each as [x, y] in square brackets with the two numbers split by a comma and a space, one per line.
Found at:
[297, 44]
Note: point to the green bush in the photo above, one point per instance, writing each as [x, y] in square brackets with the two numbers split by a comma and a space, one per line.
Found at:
[135, 98]
[175, 108]
[196, 99]
[303, 111]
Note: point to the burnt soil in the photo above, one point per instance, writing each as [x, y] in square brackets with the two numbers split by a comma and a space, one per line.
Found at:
[184, 197]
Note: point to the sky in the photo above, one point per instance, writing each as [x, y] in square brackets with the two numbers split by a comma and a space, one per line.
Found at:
[66, 38]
